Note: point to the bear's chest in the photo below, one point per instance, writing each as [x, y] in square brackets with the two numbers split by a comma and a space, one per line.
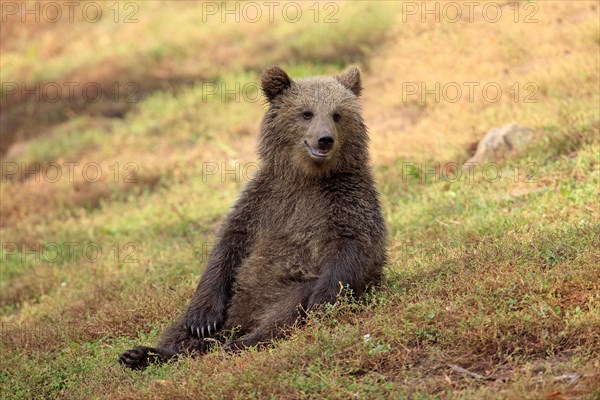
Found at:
[291, 237]
[302, 218]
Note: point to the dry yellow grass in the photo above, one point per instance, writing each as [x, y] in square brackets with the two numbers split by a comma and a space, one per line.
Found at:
[561, 47]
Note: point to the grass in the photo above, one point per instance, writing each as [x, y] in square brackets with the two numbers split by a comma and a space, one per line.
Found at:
[496, 276]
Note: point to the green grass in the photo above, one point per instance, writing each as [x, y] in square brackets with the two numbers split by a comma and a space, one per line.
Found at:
[504, 292]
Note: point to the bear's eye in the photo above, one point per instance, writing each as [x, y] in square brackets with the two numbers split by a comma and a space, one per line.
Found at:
[337, 117]
[307, 115]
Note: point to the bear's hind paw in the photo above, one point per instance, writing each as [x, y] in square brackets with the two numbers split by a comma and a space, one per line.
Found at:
[136, 358]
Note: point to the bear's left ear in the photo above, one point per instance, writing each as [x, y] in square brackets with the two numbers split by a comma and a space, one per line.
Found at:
[350, 78]
[274, 81]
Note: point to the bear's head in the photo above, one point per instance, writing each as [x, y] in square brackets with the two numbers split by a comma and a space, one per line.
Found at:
[313, 125]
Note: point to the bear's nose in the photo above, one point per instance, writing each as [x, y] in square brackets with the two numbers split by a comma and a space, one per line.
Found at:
[325, 141]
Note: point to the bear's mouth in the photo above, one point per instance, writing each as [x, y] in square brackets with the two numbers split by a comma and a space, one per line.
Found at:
[316, 153]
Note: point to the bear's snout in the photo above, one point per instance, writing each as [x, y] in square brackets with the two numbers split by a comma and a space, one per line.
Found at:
[325, 141]
[321, 150]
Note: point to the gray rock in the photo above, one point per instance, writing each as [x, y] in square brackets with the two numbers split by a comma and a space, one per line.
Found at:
[498, 142]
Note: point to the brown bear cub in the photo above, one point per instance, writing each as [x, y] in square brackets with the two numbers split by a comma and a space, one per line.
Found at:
[305, 229]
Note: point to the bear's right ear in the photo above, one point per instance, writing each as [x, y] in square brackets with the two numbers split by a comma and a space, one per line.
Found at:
[350, 78]
[274, 81]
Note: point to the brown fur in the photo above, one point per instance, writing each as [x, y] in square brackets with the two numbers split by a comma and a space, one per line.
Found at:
[304, 228]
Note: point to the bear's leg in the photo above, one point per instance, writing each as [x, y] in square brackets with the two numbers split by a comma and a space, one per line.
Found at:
[176, 340]
[276, 316]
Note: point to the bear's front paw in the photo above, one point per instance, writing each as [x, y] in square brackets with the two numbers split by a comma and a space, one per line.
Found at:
[203, 322]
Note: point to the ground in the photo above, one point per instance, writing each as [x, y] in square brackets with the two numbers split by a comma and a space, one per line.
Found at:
[492, 285]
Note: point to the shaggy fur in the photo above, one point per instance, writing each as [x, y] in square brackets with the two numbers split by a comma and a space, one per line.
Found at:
[305, 228]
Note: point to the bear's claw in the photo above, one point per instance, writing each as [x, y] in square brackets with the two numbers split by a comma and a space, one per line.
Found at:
[206, 330]
[205, 321]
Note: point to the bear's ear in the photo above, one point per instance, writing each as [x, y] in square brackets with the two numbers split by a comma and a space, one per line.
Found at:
[350, 78]
[274, 81]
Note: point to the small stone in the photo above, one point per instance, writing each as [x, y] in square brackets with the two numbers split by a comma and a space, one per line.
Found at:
[498, 142]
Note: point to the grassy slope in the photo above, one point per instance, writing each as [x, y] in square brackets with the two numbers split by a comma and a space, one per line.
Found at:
[500, 278]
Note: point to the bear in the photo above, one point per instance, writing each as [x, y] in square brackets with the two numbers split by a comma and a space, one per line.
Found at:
[306, 228]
